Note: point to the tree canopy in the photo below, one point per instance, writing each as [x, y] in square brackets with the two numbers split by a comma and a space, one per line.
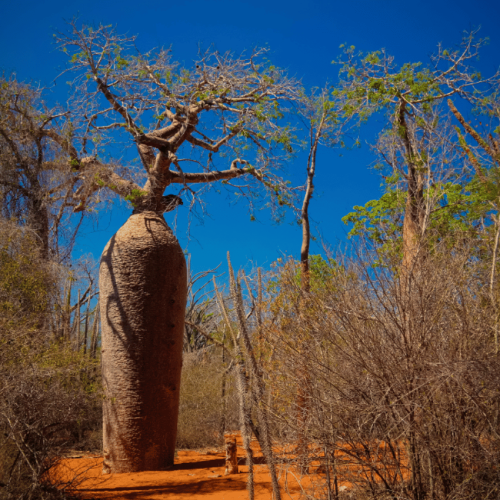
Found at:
[183, 121]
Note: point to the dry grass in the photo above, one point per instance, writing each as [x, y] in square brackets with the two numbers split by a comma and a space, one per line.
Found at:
[202, 417]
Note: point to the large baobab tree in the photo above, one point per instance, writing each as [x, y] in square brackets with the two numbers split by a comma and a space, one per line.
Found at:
[221, 108]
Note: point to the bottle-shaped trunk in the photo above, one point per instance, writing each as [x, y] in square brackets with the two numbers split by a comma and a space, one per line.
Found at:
[143, 288]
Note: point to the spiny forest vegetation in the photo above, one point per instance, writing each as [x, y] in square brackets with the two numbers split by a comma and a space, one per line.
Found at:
[380, 362]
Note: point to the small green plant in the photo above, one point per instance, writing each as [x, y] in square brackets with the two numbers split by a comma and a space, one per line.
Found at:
[135, 196]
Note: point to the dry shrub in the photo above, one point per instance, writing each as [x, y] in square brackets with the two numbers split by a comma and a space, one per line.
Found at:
[203, 413]
[43, 414]
[49, 393]
[402, 377]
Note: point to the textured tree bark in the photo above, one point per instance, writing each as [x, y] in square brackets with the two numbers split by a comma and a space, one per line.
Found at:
[143, 288]
[414, 218]
[412, 232]
[40, 222]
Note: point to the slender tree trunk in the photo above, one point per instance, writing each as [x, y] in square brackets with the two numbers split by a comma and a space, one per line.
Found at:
[244, 396]
[258, 386]
[304, 377]
[246, 423]
[413, 255]
[306, 230]
[76, 323]
[143, 292]
[223, 390]
[67, 313]
[411, 235]
[95, 331]
[413, 225]
[86, 328]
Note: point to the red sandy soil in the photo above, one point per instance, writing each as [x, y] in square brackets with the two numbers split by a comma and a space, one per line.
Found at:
[196, 475]
[199, 475]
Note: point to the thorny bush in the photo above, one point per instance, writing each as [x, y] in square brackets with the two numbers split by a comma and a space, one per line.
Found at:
[402, 377]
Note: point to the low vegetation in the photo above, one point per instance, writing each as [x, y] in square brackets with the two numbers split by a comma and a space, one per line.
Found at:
[49, 390]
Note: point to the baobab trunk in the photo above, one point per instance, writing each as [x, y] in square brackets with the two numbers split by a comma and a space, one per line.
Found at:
[143, 289]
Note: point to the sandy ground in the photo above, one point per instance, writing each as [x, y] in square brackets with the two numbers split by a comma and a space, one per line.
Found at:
[197, 475]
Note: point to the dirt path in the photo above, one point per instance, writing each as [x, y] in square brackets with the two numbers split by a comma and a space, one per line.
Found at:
[196, 475]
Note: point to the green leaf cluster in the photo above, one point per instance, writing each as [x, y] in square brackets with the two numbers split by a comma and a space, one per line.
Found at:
[135, 196]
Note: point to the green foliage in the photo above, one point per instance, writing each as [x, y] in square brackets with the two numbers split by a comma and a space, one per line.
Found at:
[74, 164]
[461, 210]
[370, 89]
[380, 219]
[372, 82]
[135, 196]
[321, 272]
[415, 144]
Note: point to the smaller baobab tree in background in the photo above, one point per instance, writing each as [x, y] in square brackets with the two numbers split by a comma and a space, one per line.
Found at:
[414, 143]
[426, 181]
[221, 108]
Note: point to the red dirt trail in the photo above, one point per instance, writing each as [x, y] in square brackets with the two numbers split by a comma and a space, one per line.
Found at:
[195, 475]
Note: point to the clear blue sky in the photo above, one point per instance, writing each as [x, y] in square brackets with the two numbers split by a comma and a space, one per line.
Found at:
[304, 38]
